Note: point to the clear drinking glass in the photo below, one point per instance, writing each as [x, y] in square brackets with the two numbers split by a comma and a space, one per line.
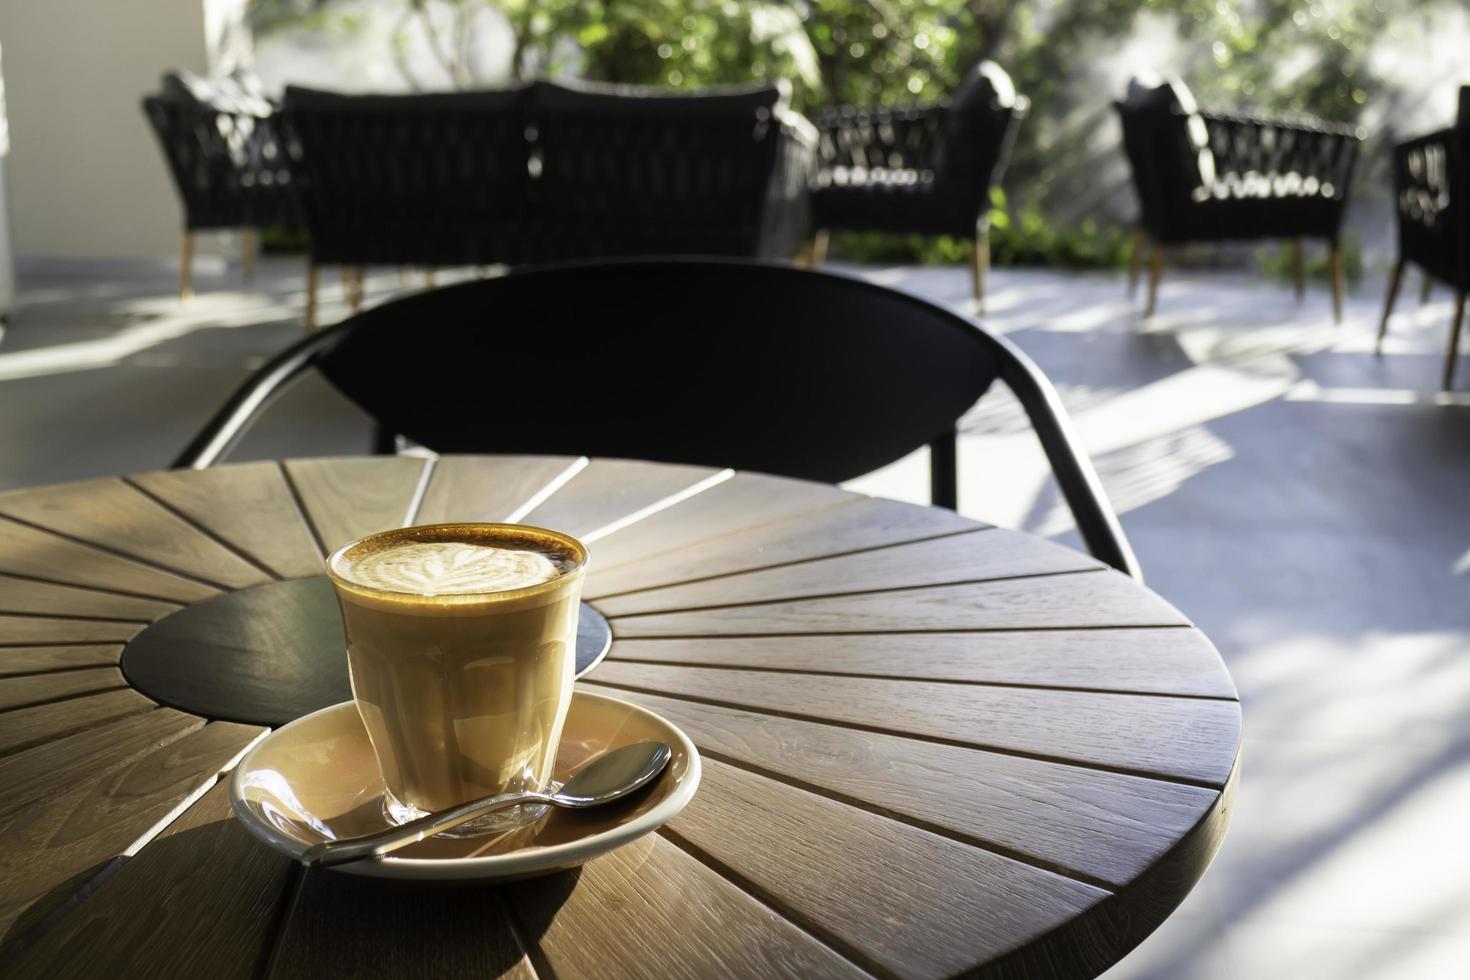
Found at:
[463, 693]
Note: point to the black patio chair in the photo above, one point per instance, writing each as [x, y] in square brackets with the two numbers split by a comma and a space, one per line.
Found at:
[408, 180]
[630, 170]
[713, 361]
[925, 169]
[228, 166]
[1431, 184]
[1215, 177]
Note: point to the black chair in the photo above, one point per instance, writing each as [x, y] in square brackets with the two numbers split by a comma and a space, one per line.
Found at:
[629, 170]
[228, 165]
[721, 362]
[1431, 184]
[546, 172]
[425, 180]
[923, 170]
[1213, 177]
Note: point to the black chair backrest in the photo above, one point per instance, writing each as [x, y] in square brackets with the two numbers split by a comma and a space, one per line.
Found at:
[978, 130]
[441, 177]
[635, 171]
[727, 364]
[1167, 146]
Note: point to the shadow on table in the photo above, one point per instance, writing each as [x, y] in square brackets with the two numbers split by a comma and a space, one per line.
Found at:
[205, 898]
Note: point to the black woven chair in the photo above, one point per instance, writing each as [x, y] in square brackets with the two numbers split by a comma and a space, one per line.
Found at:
[923, 170]
[545, 172]
[1431, 184]
[224, 154]
[421, 180]
[722, 362]
[1213, 177]
[638, 171]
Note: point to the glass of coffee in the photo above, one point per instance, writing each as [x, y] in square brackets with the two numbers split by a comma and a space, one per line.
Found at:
[461, 643]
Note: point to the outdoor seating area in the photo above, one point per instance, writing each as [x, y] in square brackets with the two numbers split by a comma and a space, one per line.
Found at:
[696, 490]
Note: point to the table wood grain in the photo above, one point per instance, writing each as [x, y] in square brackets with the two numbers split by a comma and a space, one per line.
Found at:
[933, 747]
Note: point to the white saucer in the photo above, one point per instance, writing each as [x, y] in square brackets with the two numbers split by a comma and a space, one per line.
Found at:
[317, 779]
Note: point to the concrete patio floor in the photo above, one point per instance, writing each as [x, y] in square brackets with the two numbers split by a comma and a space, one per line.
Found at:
[1305, 502]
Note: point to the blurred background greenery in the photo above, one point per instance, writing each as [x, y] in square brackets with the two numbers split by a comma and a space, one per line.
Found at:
[1066, 203]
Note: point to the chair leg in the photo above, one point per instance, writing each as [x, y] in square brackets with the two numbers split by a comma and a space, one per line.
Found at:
[1393, 293]
[1155, 273]
[1454, 351]
[247, 254]
[1425, 289]
[1135, 260]
[980, 266]
[1335, 260]
[1298, 268]
[310, 296]
[352, 279]
[819, 246]
[944, 471]
[186, 264]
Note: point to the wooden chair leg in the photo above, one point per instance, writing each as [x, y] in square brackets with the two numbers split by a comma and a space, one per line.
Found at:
[819, 246]
[186, 264]
[980, 266]
[1425, 289]
[1335, 260]
[1393, 293]
[1298, 268]
[1454, 351]
[247, 254]
[352, 286]
[1135, 260]
[310, 296]
[1155, 273]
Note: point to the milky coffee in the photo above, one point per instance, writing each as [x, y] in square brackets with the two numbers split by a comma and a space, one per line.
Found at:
[461, 640]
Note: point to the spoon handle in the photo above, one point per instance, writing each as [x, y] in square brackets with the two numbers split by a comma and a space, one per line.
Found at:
[331, 853]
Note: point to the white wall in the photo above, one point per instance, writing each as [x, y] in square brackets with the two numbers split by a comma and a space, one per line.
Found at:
[86, 177]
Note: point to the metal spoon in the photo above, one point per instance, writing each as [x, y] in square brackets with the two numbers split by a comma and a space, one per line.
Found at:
[609, 777]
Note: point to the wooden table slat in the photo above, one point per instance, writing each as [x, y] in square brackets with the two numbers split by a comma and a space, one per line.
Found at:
[348, 498]
[608, 490]
[740, 504]
[651, 910]
[250, 506]
[44, 554]
[19, 595]
[851, 526]
[1177, 738]
[66, 820]
[486, 488]
[119, 517]
[984, 554]
[1146, 661]
[34, 660]
[896, 897]
[17, 692]
[22, 728]
[1087, 823]
[1083, 600]
[28, 630]
[160, 915]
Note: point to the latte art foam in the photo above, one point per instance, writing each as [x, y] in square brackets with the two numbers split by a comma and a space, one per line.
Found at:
[454, 562]
[453, 568]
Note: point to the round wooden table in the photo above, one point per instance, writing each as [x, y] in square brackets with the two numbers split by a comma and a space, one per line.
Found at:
[930, 746]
